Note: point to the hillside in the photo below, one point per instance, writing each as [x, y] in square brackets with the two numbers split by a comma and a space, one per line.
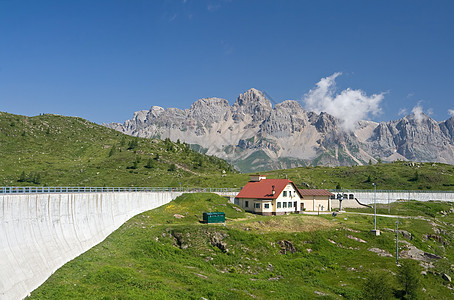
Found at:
[167, 253]
[398, 175]
[54, 150]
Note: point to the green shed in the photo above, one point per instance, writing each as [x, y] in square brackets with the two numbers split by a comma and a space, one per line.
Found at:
[213, 217]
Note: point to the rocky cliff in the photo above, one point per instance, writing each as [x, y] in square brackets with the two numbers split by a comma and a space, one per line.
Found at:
[254, 136]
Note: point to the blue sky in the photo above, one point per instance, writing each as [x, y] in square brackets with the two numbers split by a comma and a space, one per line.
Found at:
[103, 60]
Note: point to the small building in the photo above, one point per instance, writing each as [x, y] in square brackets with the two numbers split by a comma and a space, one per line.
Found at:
[269, 196]
[316, 200]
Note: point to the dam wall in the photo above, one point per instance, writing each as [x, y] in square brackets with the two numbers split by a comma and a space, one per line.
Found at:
[384, 197]
[39, 233]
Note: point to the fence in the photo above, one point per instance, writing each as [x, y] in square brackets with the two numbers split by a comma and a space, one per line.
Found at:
[53, 190]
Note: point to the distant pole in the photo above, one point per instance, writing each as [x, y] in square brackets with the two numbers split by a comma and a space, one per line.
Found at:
[375, 206]
[389, 207]
[397, 241]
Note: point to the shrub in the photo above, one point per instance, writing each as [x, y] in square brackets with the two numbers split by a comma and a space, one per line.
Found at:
[409, 277]
[377, 287]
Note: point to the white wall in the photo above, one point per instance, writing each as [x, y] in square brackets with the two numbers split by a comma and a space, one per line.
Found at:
[41, 232]
[382, 197]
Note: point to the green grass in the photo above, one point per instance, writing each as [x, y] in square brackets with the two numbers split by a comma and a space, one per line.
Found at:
[157, 256]
[54, 150]
[390, 176]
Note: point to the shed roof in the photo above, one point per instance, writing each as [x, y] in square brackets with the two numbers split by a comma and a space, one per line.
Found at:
[314, 192]
[263, 189]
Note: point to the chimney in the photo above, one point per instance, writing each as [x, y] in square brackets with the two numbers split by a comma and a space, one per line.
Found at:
[273, 192]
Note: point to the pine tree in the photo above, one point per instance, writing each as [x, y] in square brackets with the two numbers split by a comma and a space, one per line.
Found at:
[377, 287]
[23, 177]
[112, 151]
[150, 164]
[410, 279]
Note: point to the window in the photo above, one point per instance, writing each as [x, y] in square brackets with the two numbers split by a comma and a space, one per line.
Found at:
[351, 196]
[246, 203]
[257, 205]
[284, 194]
[284, 204]
[279, 205]
[267, 205]
[290, 193]
[290, 204]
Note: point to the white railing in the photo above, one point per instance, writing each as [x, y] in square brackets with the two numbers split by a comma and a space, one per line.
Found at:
[343, 191]
[72, 189]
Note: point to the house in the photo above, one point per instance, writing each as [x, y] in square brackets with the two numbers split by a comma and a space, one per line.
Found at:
[316, 200]
[269, 196]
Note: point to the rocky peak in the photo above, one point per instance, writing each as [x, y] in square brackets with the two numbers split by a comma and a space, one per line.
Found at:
[290, 106]
[155, 111]
[209, 110]
[140, 117]
[325, 123]
[448, 127]
[254, 103]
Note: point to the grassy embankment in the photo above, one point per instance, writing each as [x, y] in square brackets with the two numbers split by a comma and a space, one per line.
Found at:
[157, 255]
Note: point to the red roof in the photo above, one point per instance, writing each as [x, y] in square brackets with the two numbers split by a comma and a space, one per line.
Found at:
[309, 192]
[263, 189]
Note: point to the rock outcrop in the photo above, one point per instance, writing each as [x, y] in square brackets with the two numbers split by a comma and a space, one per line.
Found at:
[254, 135]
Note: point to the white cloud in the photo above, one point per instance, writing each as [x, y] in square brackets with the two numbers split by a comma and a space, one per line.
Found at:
[402, 112]
[451, 112]
[349, 106]
[419, 112]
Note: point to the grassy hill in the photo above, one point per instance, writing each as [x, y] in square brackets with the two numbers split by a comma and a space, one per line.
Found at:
[162, 255]
[54, 150]
[398, 175]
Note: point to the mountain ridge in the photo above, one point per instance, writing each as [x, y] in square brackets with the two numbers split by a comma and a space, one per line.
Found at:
[252, 130]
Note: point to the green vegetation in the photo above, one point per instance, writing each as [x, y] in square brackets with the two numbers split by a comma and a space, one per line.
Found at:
[54, 150]
[398, 175]
[167, 253]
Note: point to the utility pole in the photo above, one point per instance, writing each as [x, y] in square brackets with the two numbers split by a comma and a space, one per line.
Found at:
[375, 207]
[397, 241]
[375, 231]
[389, 206]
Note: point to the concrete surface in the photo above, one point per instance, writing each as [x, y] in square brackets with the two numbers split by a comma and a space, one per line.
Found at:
[385, 197]
[41, 232]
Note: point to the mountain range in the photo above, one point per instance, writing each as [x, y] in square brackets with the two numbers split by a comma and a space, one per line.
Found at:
[254, 136]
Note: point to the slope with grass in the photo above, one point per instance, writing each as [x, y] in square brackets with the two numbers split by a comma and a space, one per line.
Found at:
[167, 253]
[54, 150]
[398, 175]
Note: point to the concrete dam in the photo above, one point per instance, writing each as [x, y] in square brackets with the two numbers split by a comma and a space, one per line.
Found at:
[40, 232]
[41, 229]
